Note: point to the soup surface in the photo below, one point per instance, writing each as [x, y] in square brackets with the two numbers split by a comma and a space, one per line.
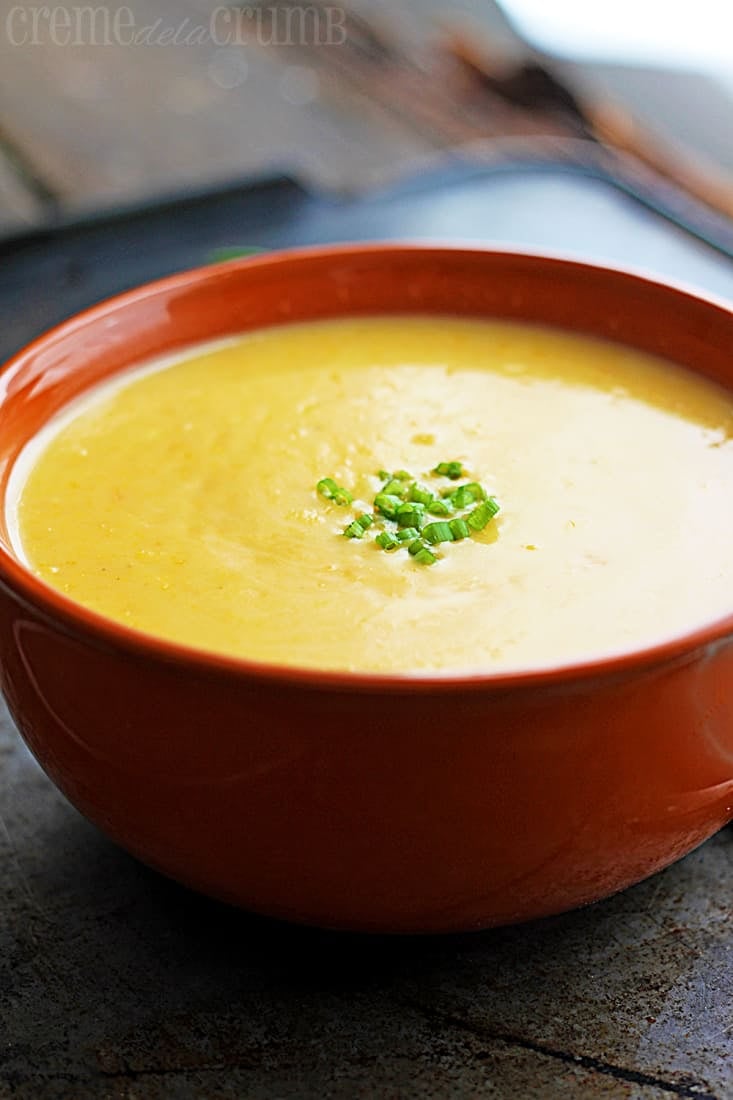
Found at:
[181, 498]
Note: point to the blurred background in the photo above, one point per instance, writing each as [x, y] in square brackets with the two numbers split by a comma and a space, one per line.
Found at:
[107, 104]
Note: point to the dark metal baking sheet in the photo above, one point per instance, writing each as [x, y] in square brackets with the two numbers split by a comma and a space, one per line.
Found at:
[48, 275]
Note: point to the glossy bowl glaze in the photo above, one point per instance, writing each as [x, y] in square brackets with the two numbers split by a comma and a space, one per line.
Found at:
[360, 801]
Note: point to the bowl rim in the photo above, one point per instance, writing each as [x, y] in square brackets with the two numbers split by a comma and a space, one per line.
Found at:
[77, 621]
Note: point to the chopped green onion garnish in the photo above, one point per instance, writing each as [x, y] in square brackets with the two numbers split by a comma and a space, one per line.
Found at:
[420, 495]
[421, 553]
[328, 488]
[397, 488]
[453, 470]
[410, 515]
[479, 517]
[387, 504]
[437, 532]
[461, 497]
[479, 493]
[467, 494]
[387, 540]
[459, 529]
[401, 505]
[356, 529]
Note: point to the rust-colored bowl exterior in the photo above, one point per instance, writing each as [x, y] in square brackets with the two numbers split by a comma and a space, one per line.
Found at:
[365, 802]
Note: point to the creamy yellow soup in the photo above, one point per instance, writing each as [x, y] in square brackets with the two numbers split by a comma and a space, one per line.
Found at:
[180, 499]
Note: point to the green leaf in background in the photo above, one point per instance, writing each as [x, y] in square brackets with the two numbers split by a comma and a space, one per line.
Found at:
[232, 252]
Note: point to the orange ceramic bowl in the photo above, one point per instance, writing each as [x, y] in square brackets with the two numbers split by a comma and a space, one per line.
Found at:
[303, 794]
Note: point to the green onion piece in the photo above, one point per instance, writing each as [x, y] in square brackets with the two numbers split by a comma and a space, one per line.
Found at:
[467, 494]
[406, 534]
[439, 508]
[479, 517]
[479, 493]
[327, 487]
[410, 515]
[396, 488]
[453, 470]
[384, 475]
[387, 504]
[461, 497]
[420, 495]
[232, 252]
[459, 529]
[402, 475]
[356, 529]
[435, 533]
[421, 553]
[387, 540]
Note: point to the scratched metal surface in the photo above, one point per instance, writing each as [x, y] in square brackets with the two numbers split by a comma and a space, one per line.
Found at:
[118, 985]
